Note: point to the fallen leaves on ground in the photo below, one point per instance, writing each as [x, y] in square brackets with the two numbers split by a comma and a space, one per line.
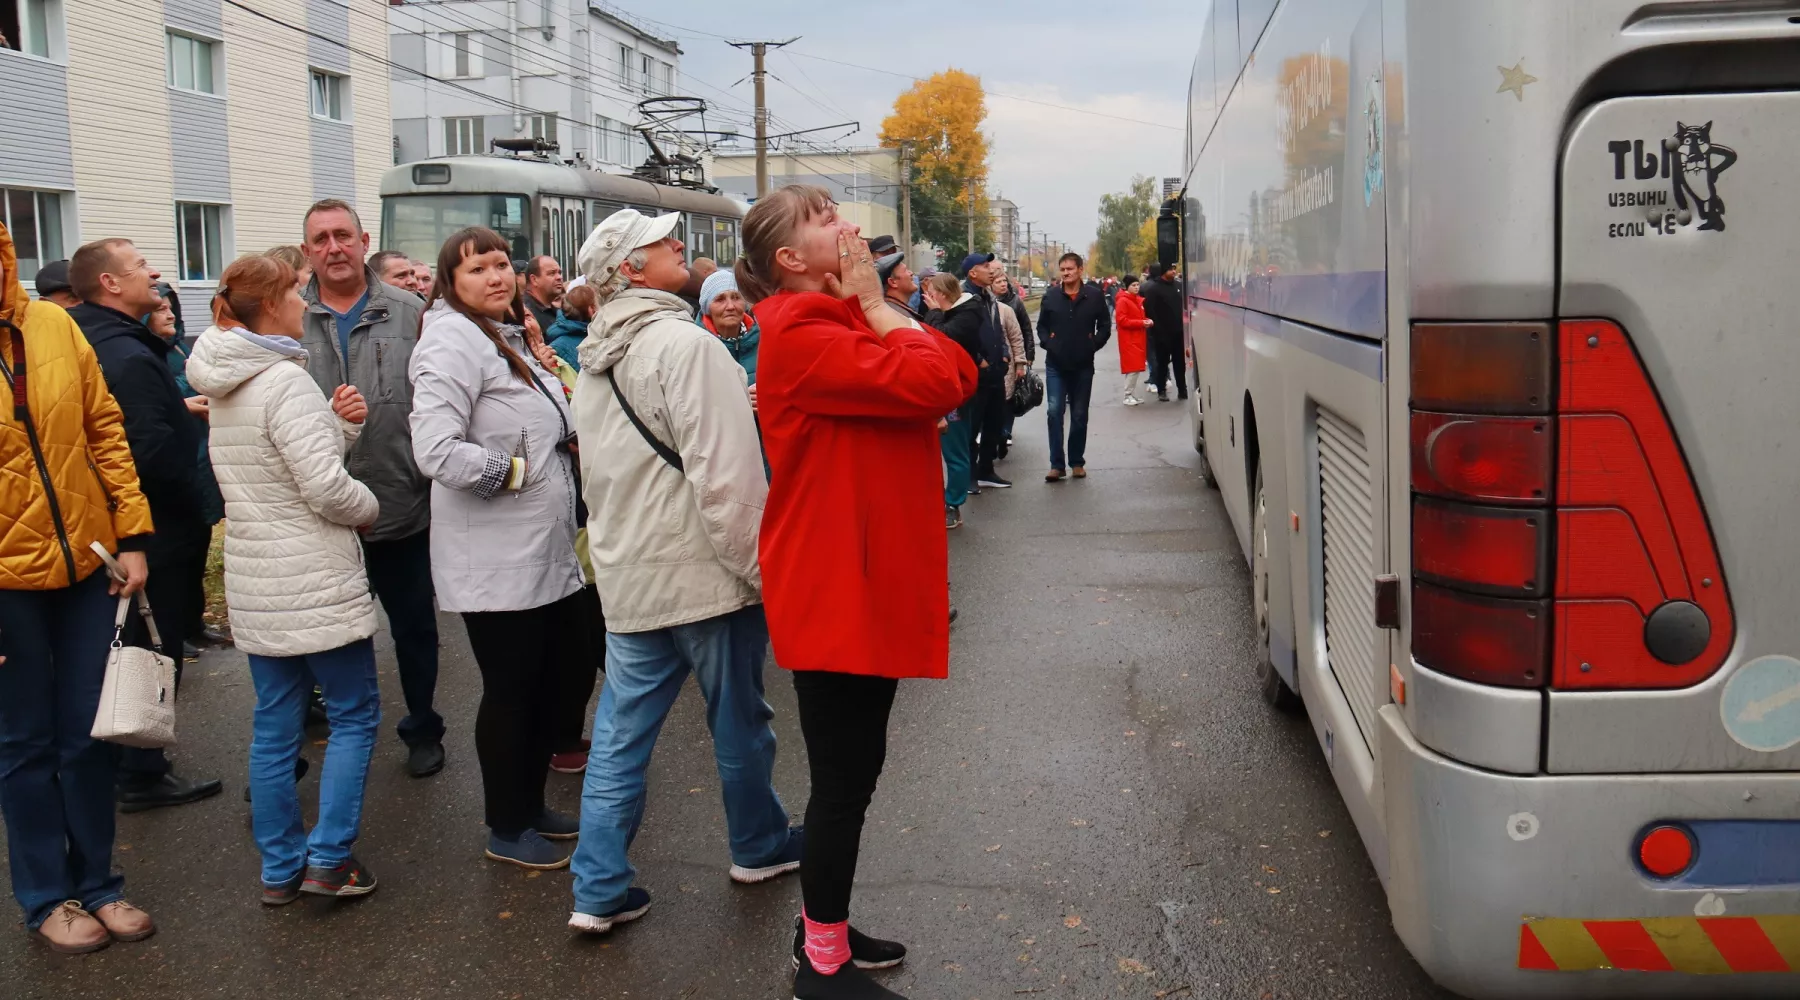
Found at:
[1132, 966]
[1071, 921]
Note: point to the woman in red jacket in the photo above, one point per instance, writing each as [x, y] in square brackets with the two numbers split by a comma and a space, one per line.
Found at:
[1128, 313]
[854, 559]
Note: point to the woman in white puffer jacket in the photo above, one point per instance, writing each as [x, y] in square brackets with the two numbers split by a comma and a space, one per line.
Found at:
[294, 577]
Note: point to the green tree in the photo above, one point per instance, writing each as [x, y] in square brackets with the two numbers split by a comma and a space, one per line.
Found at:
[1122, 217]
[940, 119]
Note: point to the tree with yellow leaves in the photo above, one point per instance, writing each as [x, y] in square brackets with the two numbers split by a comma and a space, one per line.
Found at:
[940, 119]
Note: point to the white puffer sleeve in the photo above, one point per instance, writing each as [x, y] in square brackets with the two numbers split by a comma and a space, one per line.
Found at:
[310, 440]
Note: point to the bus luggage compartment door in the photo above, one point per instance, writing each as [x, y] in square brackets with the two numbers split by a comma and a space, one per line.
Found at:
[1677, 646]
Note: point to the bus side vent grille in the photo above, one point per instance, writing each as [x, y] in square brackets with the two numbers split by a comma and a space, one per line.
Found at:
[1347, 505]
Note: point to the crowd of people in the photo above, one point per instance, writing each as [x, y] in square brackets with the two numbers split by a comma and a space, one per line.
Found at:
[658, 469]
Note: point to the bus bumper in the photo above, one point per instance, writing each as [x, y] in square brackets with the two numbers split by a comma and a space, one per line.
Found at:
[1510, 886]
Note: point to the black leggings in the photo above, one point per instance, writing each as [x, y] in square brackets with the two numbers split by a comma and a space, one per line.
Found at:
[844, 718]
[528, 661]
[572, 708]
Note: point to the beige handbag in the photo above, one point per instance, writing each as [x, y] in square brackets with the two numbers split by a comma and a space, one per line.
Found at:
[137, 700]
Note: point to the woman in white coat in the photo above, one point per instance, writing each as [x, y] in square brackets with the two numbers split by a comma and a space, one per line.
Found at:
[300, 604]
[491, 429]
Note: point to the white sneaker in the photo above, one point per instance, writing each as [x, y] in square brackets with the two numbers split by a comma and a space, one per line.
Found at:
[1131, 401]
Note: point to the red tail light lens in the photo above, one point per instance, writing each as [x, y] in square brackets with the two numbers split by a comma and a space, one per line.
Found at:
[1491, 459]
[1640, 593]
[1482, 639]
[1495, 550]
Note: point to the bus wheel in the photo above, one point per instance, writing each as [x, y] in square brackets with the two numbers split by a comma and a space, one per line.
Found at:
[1275, 691]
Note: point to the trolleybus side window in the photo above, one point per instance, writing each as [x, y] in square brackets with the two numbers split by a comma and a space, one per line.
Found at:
[725, 241]
[702, 228]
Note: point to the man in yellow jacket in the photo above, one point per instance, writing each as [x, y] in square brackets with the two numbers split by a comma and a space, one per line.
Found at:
[66, 481]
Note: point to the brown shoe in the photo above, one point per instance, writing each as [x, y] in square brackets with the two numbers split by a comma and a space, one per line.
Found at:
[1080, 471]
[1053, 476]
[71, 930]
[125, 922]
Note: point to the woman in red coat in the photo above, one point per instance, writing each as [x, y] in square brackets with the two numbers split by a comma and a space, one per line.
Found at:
[854, 559]
[1128, 314]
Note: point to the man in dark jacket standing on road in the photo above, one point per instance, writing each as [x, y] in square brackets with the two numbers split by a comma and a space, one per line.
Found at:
[360, 331]
[117, 287]
[989, 430]
[1073, 324]
[1162, 307]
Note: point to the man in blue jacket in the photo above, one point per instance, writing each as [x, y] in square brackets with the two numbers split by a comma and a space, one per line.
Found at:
[116, 286]
[1073, 324]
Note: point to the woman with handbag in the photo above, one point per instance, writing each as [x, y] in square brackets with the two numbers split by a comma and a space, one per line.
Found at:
[66, 482]
[851, 392]
[294, 578]
[492, 430]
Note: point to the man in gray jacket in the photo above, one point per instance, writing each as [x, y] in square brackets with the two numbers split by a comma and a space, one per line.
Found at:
[360, 331]
[672, 467]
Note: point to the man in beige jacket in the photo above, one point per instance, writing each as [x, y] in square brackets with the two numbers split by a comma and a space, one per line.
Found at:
[673, 470]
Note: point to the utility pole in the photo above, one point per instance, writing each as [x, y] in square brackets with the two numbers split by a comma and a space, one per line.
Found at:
[971, 215]
[760, 50]
[1026, 259]
[906, 201]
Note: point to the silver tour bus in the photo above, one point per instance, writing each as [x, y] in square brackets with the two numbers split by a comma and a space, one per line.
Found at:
[541, 207]
[1493, 317]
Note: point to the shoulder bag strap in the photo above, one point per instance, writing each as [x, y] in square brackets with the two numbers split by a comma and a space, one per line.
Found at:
[668, 454]
[143, 601]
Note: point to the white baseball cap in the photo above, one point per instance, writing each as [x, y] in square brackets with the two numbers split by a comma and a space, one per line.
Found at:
[614, 240]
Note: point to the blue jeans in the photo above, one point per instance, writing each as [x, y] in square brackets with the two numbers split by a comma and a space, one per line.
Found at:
[956, 446]
[346, 676]
[644, 673]
[56, 782]
[1073, 389]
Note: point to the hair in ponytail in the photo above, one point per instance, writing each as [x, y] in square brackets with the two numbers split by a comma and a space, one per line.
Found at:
[249, 286]
[769, 226]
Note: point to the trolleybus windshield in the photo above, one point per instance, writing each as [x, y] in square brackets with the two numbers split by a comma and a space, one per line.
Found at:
[418, 224]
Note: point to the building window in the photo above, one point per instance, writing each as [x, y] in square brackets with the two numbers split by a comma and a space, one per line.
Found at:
[644, 66]
[25, 25]
[464, 136]
[199, 229]
[665, 79]
[328, 95]
[463, 64]
[625, 65]
[542, 127]
[35, 220]
[190, 64]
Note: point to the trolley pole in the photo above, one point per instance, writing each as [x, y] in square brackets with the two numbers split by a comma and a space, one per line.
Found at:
[760, 51]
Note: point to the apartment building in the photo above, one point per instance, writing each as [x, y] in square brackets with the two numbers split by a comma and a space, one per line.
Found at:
[199, 129]
[1006, 231]
[467, 72]
[864, 180]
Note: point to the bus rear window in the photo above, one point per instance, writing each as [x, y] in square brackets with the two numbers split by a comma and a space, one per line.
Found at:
[417, 225]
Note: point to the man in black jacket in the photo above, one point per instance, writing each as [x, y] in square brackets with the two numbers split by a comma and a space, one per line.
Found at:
[117, 289]
[1073, 325]
[1162, 307]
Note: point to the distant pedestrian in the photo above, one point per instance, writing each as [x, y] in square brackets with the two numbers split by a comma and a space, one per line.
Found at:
[989, 427]
[294, 579]
[53, 284]
[565, 336]
[1128, 310]
[728, 317]
[1073, 325]
[492, 430]
[957, 314]
[396, 269]
[77, 486]
[1162, 307]
[421, 278]
[701, 269]
[117, 287]
[166, 323]
[1009, 295]
[852, 390]
[543, 290]
[360, 332]
[674, 470]
[297, 259]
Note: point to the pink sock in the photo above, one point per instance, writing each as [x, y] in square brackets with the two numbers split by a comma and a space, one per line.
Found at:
[827, 945]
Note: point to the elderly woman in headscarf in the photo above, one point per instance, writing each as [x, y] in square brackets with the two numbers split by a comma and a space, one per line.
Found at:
[726, 314]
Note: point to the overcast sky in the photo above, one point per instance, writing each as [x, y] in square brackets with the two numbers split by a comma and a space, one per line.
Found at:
[1117, 61]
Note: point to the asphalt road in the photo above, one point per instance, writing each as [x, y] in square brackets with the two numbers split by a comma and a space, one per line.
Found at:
[1095, 805]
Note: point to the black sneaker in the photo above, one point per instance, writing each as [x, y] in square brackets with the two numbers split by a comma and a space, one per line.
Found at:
[994, 480]
[952, 518]
[425, 759]
[865, 952]
[347, 879]
[283, 894]
[848, 983]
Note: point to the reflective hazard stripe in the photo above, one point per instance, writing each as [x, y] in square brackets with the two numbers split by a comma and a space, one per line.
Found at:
[1695, 945]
